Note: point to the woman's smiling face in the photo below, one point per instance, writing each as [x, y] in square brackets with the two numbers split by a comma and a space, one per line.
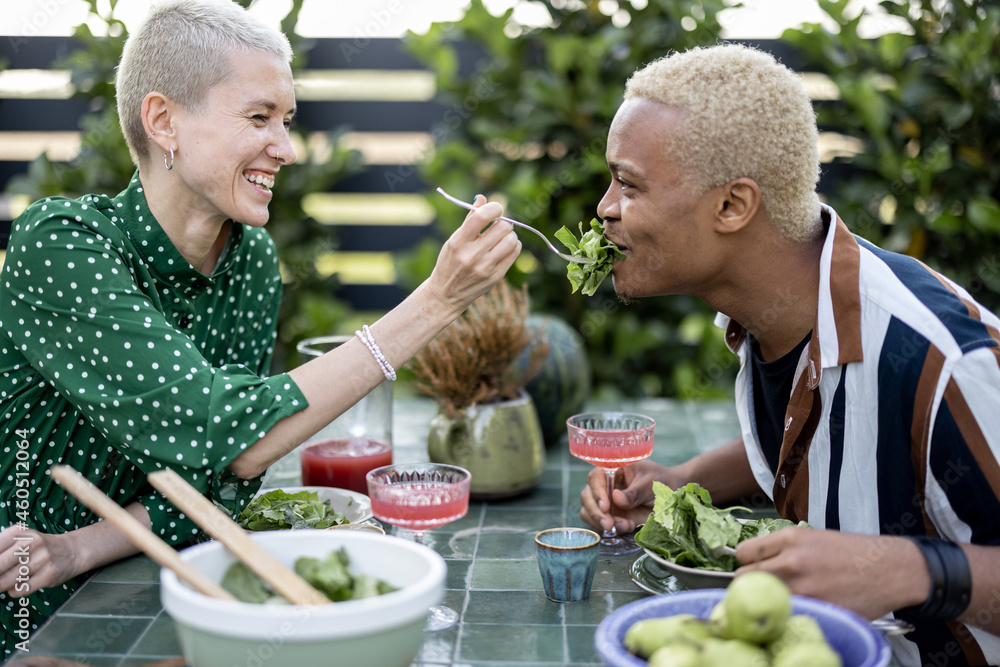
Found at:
[230, 150]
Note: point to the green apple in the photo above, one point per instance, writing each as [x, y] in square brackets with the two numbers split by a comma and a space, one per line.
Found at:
[717, 621]
[799, 628]
[758, 605]
[676, 655]
[732, 653]
[807, 654]
[645, 636]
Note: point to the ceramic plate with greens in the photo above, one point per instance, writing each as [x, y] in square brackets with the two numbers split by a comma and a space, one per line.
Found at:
[685, 533]
[305, 507]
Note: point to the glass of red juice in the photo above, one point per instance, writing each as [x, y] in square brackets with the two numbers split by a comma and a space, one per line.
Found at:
[357, 441]
[343, 462]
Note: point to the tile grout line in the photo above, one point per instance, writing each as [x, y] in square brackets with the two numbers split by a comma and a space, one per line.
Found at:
[142, 634]
[468, 584]
[76, 614]
[565, 521]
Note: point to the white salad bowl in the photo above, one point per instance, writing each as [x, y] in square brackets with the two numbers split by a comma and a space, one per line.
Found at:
[382, 631]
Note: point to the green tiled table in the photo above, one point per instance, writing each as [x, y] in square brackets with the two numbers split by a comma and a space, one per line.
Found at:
[116, 617]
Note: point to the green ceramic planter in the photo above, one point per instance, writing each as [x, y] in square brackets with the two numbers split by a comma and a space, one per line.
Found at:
[499, 443]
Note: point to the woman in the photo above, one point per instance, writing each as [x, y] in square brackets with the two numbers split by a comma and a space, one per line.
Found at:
[136, 329]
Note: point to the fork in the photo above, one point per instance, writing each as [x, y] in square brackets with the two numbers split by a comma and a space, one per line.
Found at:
[568, 258]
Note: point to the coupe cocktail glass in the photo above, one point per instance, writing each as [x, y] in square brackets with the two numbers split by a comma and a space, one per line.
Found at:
[611, 440]
[418, 497]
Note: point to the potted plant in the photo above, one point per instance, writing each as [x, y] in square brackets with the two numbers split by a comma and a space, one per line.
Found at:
[476, 370]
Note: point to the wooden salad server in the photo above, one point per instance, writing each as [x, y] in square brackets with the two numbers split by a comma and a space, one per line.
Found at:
[141, 536]
[221, 527]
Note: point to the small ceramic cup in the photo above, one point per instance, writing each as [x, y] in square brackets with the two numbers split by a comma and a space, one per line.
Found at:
[567, 561]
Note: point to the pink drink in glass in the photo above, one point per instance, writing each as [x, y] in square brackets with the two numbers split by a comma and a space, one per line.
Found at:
[343, 462]
[418, 497]
[608, 449]
[420, 505]
[611, 440]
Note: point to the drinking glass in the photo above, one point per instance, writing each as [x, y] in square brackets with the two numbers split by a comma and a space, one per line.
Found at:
[357, 441]
[611, 440]
[418, 497]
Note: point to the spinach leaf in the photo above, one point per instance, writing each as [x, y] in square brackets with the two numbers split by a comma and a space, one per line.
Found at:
[278, 510]
[245, 585]
[591, 245]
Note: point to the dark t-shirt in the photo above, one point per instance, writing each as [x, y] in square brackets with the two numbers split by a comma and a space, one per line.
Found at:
[772, 387]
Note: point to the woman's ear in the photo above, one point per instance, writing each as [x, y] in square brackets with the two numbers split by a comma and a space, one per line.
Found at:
[738, 203]
[157, 117]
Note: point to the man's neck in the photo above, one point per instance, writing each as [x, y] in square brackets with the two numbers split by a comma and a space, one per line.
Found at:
[774, 295]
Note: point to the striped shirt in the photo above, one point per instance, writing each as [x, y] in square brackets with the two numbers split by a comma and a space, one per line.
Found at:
[893, 423]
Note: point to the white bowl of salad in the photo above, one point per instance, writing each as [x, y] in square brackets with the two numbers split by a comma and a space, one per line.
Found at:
[398, 580]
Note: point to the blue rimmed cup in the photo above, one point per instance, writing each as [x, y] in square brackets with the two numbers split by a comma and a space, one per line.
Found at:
[567, 561]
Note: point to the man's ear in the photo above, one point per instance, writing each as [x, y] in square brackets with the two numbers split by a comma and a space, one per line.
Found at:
[737, 204]
[158, 117]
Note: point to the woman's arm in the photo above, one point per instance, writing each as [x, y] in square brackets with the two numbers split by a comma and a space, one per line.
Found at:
[471, 261]
[53, 559]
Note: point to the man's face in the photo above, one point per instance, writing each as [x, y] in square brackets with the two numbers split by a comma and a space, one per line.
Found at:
[664, 230]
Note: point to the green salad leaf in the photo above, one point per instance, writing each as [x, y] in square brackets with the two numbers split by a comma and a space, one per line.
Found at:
[245, 585]
[279, 510]
[591, 245]
[684, 526]
[330, 576]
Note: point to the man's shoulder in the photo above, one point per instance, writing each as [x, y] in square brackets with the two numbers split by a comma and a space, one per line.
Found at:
[914, 296]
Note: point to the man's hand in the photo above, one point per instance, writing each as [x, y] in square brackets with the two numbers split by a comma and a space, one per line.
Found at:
[869, 574]
[633, 495]
[723, 471]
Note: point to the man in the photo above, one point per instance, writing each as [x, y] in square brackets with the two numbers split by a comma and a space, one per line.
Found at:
[869, 386]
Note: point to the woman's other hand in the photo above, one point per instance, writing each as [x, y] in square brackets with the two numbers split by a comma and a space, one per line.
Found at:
[53, 559]
[30, 560]
[475, 257]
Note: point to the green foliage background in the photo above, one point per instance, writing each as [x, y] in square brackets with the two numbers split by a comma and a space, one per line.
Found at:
[526, 121]
[925, 101]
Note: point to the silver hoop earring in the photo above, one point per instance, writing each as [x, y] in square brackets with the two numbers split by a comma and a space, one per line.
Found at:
[171, 165]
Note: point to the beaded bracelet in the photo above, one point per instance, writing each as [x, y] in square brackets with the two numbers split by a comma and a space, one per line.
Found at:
[368, 339]
[951, 581]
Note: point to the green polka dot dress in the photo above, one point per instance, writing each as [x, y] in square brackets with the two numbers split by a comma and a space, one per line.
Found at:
[118, 358]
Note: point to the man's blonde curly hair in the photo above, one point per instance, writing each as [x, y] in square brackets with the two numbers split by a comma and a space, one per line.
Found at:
[746, 115]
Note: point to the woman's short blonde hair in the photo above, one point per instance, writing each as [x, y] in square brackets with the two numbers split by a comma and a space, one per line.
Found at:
[181, 50]
[746, 115]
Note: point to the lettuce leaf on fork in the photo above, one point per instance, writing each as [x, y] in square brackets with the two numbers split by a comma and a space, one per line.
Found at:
[591, 245]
